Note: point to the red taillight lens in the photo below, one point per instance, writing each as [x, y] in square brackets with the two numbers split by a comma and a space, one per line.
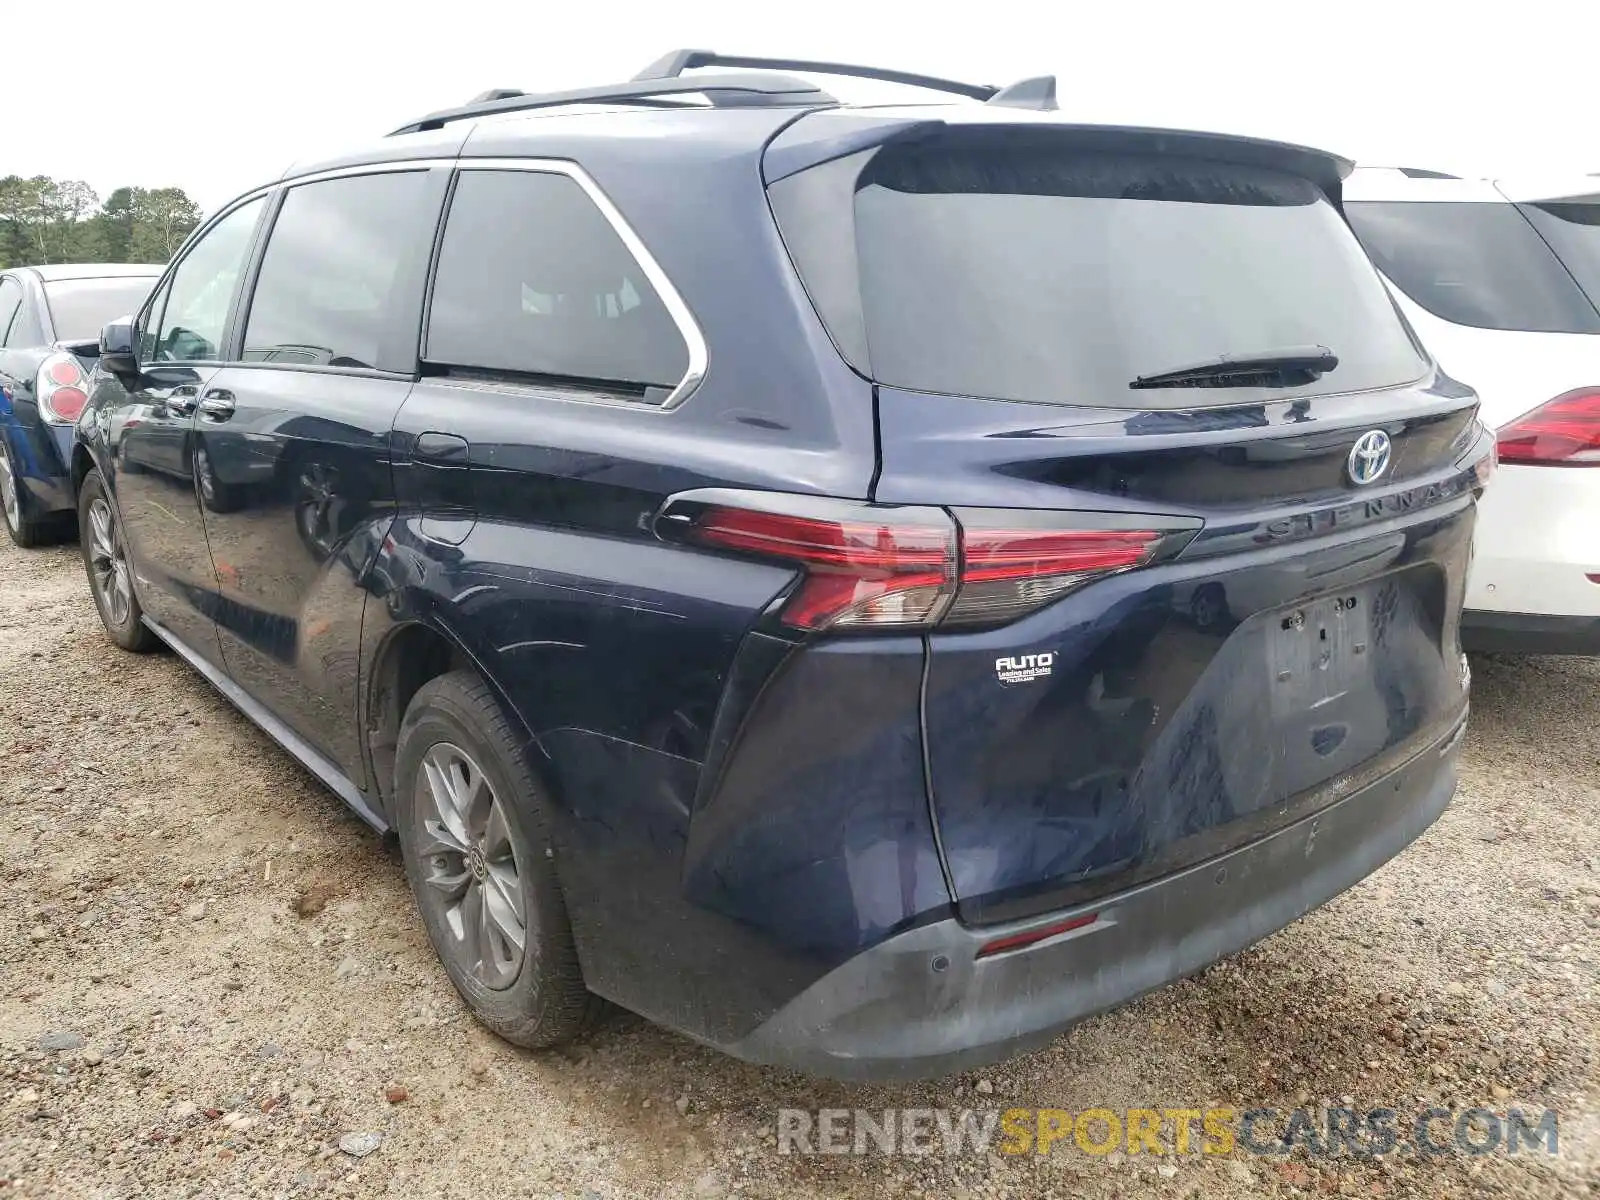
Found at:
[1562, 433]
[60, 389]
[64, 371]
[1007, 572]
[870, 567]
[1032, 937]
[67, 403]
[897, 569]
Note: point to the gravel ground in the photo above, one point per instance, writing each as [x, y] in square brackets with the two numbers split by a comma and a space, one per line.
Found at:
[236, 976]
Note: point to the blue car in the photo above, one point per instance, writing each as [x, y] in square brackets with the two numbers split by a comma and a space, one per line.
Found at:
[865, 588]
[50, 319]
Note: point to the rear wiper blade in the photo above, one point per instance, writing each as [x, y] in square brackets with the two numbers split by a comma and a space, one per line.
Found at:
[1291, 366]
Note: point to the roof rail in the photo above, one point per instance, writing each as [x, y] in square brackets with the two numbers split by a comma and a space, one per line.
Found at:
[761, 87]
[675, 63]
[723, 90]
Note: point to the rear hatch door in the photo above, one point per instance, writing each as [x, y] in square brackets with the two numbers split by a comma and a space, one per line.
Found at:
[1082, 331]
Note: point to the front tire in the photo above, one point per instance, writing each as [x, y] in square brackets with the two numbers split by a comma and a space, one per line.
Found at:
[105, 558]
[476, 846]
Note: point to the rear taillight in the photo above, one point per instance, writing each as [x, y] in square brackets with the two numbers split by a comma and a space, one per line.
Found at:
[895, 567]
[1007, 572]
[60, 389]
[1562, 433]
[871, 566]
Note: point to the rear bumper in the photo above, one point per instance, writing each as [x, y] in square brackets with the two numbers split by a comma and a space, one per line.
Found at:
[922, 1004]
[1490, 632]
[40, 453]
[1537, 545]
[50, 496]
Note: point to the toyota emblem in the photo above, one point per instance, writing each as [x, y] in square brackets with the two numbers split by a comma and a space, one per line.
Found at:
[1369, 457]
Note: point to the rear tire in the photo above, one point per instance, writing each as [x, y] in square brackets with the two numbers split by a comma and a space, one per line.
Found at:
[27, 532]
[110, 574]
[476, 845]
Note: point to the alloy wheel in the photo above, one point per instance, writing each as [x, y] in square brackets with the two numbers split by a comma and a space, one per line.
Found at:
[108, 564]
[469, 866]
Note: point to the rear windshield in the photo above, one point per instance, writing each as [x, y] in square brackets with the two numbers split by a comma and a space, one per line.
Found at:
[1572, 227]
[80, 307]
[1022, 272]
[1474, 264]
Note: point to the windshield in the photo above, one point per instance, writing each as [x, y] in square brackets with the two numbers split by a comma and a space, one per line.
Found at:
[1036, 273]
[79, 308]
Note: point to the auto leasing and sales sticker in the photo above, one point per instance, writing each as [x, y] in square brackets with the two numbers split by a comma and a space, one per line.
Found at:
[1024, 668]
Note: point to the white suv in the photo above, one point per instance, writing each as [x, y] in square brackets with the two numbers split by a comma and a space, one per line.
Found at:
[1501, 280]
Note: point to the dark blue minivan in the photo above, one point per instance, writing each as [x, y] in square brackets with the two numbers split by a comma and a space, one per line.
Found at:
[863, 587]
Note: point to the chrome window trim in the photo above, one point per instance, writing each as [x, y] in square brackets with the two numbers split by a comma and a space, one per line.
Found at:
[688, 328]
[682, 316]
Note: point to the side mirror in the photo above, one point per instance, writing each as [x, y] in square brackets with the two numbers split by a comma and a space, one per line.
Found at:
[118, 349]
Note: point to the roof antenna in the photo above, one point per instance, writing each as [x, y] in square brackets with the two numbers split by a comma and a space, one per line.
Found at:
[1038, 93]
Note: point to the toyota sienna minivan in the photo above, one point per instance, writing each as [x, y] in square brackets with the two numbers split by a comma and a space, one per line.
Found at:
[862, 587]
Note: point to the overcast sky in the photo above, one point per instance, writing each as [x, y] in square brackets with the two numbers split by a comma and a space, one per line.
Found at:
[218, 97]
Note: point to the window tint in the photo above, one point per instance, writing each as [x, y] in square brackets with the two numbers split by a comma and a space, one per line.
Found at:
[196, 307]
[323, 293]
[1025, 269]
[1474, 264]
[533, 280]
[79, 308]
[1572, 227]
[10, 301]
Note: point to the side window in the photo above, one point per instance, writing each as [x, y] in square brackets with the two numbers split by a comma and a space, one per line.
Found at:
[534, 280]
[10, 302]
[323, 293]
[194, 311]
[1472, 264]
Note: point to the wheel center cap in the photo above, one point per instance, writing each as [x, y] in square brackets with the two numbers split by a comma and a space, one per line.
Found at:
[477, 864]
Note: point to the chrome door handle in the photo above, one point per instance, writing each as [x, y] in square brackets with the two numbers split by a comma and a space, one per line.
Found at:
[180, 401]
[217, 404]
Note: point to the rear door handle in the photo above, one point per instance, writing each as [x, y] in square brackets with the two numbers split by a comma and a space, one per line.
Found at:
[180, 401]
[217, 404]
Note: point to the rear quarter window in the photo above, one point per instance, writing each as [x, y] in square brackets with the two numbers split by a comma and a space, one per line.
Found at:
[1023, 269]
[1477, 264]
[534, 282]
